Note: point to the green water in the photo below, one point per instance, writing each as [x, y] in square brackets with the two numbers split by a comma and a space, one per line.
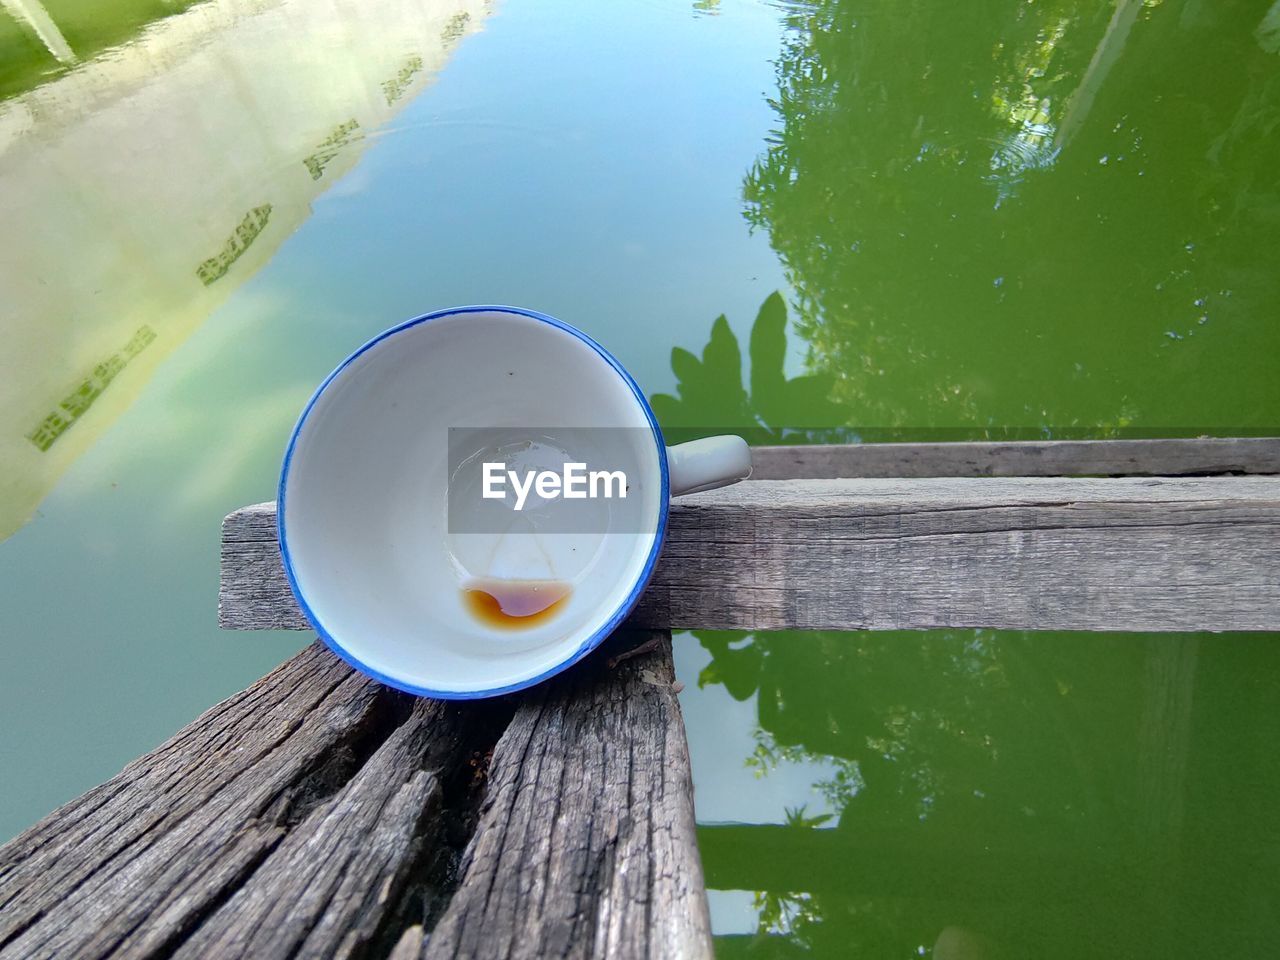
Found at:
[995, 218]
[29, 56]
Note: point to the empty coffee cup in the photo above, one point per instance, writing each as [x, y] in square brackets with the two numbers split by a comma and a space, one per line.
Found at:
[476, 498]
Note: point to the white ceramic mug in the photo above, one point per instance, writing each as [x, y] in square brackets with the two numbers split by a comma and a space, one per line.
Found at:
[363, 530]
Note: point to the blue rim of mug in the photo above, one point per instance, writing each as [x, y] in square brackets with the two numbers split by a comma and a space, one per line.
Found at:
[600, 634]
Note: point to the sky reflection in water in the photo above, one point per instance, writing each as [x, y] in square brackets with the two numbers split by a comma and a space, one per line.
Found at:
[999, 218]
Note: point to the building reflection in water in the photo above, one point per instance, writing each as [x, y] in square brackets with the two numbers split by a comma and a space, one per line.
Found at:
[145, 185]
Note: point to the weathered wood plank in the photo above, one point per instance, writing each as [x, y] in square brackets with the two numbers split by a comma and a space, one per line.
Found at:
[1048, 458]
[585, 845]
[320, 814]
[1154, 554]
[330, 886]
[131, 866]
[901, 863]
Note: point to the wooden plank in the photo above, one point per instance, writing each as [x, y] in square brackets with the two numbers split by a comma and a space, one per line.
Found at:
[320, 814]
[585, 846]
[898, 863]
[1165, 745]
[336, 878]
[1048, 458]
[131, 866]
[1153, 554]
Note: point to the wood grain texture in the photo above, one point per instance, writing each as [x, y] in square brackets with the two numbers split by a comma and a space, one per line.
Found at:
[1051, 458]
[586, 843]
[1153, 554]
[132, 866]
[332, 883]
[319, 814]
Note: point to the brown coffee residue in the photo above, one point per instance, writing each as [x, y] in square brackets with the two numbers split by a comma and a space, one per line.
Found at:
[515, 604]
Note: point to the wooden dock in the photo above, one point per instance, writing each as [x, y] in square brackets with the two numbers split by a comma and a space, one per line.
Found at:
[320, 814]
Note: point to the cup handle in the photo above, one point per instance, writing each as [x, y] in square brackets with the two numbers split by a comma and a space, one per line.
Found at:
[707, 463]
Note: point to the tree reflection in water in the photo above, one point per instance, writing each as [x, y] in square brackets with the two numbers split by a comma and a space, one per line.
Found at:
[1056, 216]
[710, 393]
[1007, 794]
[1001, 217]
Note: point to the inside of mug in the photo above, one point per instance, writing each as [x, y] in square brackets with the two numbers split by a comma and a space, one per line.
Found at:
[366, 525]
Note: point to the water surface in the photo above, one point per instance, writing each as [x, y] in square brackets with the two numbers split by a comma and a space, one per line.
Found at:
[916, 220]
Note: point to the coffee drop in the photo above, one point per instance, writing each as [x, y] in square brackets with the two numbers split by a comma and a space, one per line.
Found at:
[515, 604]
